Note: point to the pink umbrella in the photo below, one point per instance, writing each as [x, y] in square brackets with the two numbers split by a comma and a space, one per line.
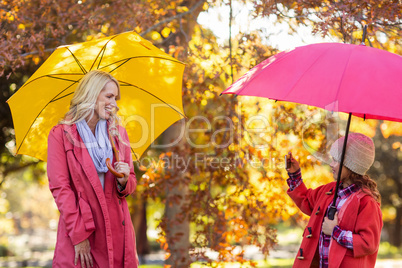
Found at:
[355, 79]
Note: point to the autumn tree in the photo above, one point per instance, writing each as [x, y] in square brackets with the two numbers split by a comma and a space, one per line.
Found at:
[344, 19]
[229, 181]
[208, 195]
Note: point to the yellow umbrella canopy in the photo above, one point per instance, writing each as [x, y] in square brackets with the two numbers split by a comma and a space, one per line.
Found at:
[150, 84]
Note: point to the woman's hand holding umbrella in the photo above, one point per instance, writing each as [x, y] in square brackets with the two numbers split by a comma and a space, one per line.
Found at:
[122, 168]
[116, 173]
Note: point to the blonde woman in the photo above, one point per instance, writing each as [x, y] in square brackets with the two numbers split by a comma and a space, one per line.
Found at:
[95, 228]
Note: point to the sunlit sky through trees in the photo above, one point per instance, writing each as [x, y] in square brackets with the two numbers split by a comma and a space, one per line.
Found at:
[275, 35]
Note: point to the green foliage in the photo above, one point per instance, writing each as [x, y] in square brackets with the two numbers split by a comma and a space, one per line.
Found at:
[388, 251]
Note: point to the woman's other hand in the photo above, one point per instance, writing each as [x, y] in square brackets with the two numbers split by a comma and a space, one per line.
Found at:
[294, 165]
[122, 167]
[83, 252]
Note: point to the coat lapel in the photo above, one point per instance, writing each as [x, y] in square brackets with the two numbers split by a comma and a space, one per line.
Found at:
[351, 209]
[84, 159]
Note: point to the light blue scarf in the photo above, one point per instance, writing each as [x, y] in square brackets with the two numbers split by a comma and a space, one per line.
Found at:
[98, 146]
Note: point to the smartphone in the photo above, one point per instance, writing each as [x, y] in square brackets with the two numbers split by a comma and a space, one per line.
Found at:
[287, 162]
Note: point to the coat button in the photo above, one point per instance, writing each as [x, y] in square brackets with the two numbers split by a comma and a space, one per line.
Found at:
[123, 223]
[119, 201]
[318, 211]
[310, 231]
[300, 257]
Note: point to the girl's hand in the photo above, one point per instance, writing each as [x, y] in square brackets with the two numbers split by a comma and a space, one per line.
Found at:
[329, 225]
[122, 167]
[294, 165]
[83, 251]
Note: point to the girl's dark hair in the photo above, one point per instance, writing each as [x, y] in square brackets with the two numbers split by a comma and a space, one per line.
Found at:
[367, 185]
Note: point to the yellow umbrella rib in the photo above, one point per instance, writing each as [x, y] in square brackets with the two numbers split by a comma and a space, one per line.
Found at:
[52, 76]
[102, 51]
[44, 107]
[128, 84]
[132, 151]
[124, 61]
[77, 61]
[55, 97]
[54, 100]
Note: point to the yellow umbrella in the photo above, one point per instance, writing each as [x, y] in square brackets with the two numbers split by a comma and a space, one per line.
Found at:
[150, 81]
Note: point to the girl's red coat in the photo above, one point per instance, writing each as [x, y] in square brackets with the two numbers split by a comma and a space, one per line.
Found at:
[86, 210]
[361, 214]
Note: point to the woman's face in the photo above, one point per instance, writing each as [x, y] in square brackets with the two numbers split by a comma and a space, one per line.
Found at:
[335, 169]
[106, 101]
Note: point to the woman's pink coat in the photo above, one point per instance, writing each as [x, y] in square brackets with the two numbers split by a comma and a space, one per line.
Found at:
[86, 210]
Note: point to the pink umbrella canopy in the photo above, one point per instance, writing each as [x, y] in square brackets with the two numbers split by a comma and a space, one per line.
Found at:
[364, 81]
[355, 79]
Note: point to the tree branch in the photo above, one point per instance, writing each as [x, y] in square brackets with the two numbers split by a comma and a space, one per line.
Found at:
[198, 4]
[15, 168]
[37, 52]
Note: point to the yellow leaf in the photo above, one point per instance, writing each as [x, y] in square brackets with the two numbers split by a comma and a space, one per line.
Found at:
[21, 26]
[182, 9]
[137, 29]
[391, 128]
[396, 145]
[167, 255]
[155, 35]
[90, 37]
[105, 28]
[165, 32]
[36, 60]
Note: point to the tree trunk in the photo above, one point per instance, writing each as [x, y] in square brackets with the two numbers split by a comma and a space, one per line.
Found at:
[397, 228]
[390, 164]
[177, 225]
[396, 237]
[176, 221]
[140, 226]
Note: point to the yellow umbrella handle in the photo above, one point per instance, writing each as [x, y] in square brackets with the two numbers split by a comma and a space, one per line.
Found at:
[111, 169]
[109, 163]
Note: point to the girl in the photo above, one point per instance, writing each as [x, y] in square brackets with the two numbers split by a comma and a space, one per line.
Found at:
[352, 238]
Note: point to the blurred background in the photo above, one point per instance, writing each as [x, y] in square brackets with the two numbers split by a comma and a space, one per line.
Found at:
[218, 195]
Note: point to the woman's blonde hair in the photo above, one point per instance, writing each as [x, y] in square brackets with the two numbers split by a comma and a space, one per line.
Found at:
[82, 104]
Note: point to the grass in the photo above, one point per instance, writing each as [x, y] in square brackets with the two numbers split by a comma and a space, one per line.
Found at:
[287, 237]
[274, 263]
[388, 251]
